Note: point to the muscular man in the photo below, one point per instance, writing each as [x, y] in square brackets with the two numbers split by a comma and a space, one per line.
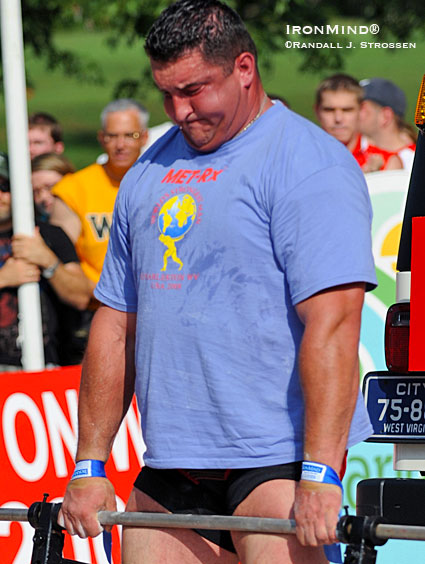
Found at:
[243, 357]
[85, 200]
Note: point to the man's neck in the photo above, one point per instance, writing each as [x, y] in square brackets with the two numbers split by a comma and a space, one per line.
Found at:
[352, 143]
[114, 174]
[389, 139]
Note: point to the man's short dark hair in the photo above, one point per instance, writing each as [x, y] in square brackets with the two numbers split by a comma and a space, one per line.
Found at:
[338, 82]
[208, 25]
[46, 121]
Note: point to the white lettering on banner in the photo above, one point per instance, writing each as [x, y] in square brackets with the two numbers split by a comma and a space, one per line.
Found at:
[72, 403]
[29, 471]
[25, 548]
[81, 549]
[120, 452]
[60, 431]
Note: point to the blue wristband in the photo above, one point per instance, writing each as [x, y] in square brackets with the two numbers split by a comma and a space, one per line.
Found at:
[317, 472]
[89, 469]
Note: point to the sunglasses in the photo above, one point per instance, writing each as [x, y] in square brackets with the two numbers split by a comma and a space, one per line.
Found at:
[4, 187]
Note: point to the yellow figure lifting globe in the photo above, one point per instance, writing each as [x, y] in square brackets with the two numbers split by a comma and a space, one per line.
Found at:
[175, 219]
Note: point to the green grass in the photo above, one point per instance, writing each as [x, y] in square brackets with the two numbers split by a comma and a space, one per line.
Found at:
[405, 67]
[78, 104]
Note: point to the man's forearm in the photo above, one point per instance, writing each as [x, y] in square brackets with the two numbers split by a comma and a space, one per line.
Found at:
[330, 384]
[107, 382]
[71, 285]
[328, 363]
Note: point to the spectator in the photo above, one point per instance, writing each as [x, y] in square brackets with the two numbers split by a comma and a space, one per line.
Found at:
[382, 122]
[49, 257]
[44, 134]
[337, 108]
[47, 169]
[154, 133]
[85, 200]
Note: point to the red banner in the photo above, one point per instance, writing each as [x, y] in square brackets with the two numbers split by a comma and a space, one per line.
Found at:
[37, 446]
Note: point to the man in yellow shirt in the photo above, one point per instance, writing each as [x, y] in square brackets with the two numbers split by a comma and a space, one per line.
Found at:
[85, 200]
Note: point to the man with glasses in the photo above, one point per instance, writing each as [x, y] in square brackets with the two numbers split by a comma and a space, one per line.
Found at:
[85, 200]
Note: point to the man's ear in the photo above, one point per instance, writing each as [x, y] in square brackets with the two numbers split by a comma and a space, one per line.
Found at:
[246, 67]
[144, 137]
[59, 147]
[387, 115]
[100, 138]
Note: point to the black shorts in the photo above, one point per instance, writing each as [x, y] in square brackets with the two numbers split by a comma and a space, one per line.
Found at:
[209, 492]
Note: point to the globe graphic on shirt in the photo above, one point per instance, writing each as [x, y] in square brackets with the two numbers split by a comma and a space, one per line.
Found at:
[177, 216]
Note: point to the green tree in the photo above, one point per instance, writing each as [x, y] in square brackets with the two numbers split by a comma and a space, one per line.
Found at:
[129, 20]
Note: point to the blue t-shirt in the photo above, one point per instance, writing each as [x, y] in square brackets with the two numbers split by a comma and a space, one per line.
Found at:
[213, 251]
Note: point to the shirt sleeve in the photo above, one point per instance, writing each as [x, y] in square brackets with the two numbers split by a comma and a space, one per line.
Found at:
[67, 189]
[116, 287]
[59, 242]
[321, 232]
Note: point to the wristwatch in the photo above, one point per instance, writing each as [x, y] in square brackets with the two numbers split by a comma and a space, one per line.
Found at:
[50, 270]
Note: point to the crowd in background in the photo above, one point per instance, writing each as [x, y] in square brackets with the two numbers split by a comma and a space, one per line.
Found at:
[368, 118]
[73, 209]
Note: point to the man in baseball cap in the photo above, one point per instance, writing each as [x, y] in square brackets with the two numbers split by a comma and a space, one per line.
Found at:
[384, 93]
[389, 137]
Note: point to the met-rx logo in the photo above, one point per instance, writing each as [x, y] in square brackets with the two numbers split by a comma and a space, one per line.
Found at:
[184, 176]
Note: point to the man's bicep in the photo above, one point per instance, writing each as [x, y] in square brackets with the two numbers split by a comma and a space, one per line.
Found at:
[321, 233]
[113, 323]
[332, 304]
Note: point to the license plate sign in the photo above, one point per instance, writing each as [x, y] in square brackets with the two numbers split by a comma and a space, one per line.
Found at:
[396, 406]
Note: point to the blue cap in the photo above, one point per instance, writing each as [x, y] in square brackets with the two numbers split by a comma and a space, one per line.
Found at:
[385, 93]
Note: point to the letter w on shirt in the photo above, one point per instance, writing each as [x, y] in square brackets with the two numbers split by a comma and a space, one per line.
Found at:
[100, 224]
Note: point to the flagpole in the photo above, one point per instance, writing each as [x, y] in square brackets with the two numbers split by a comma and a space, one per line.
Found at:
[30, 326]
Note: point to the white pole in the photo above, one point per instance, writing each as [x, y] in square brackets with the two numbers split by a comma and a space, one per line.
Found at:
[20, 173]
